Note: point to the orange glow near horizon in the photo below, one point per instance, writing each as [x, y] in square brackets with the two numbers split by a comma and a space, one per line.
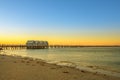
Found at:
[82, 38]
[63, 41]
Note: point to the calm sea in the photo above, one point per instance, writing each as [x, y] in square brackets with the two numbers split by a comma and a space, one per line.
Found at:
[102, 58]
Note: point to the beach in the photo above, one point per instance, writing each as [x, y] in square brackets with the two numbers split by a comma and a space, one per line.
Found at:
[25, 68]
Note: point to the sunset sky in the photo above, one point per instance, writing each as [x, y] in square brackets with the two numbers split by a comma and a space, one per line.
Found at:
[76, 22]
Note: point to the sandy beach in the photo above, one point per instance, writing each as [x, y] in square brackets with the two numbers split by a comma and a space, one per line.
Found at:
[19, 68]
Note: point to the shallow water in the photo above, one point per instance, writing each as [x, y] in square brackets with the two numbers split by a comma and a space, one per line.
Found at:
[105, 58]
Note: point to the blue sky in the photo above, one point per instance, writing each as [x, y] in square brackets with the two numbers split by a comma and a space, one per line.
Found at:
[60, 19]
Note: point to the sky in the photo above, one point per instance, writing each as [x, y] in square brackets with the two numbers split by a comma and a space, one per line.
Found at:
[69, 22]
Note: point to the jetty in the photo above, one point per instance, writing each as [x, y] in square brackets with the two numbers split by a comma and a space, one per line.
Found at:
[24, 46]
[35, 44]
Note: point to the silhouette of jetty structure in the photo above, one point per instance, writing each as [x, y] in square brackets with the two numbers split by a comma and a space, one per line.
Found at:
[35, 44]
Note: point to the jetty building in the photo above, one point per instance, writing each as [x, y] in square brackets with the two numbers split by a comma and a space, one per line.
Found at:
[35, 44]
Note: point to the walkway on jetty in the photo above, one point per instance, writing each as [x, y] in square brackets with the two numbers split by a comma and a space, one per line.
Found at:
[24, 46]
[5, 46]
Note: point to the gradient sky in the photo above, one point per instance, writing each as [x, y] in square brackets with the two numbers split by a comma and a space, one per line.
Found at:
[81, 22]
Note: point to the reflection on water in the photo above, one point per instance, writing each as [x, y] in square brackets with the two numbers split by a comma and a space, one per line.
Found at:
[104, 57]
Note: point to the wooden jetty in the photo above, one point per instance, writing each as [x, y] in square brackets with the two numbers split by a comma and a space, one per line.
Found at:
[19, 46]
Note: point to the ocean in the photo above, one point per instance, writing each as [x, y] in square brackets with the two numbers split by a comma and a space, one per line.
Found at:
[101, 59]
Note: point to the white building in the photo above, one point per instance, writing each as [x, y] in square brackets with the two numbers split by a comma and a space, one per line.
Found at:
[35, 44]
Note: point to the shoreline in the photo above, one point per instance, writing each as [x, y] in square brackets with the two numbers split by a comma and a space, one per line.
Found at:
[89, 68]
[41, 70]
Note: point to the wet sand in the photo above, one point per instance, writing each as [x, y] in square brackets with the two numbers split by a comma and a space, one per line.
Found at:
[19, 68]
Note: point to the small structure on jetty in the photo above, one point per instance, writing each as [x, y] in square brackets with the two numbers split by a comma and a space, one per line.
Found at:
[35, 44]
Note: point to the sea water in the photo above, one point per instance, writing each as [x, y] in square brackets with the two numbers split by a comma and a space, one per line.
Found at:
[95, 58]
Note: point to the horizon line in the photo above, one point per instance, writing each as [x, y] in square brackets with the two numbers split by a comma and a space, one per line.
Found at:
[71, 45]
